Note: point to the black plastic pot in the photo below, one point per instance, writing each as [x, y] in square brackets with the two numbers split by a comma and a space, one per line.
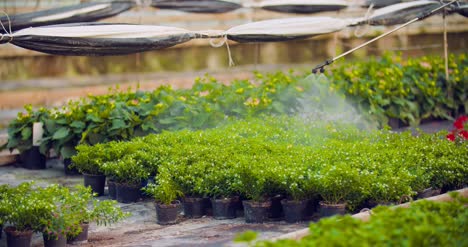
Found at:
[294, 211]
[18, 238]
[327, 210]
[208, 206]
[224, 208]
[311, 208]
[96, 182]
[276, 209]
[80, 238]
[54, 241]
[429, 192]
[256, 212]
[194, 207]
[167, 214]
[68, 170]
[32, 159]
[127, 193]
[238, 205]
[111, 188]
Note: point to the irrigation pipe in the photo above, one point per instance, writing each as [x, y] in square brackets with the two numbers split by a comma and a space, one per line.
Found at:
[366, 215]
[321, 67]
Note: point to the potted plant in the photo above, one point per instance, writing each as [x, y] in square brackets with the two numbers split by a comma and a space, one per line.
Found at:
[255, 180]
[389, 185]
[20, 137]
[88, 160]
[165, 193]
[88, 210]
[128, 175]
[57, 224]
[22, 209]
[337, 184]
[299, 188]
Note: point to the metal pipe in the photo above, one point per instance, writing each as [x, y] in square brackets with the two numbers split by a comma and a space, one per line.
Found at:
[321, 67]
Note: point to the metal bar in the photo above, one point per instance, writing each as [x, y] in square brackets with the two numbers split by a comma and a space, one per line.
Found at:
[320, 67]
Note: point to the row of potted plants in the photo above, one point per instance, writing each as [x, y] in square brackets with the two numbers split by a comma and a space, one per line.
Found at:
[424, 223]
[384, 88]
[335, 163]
[61, 214]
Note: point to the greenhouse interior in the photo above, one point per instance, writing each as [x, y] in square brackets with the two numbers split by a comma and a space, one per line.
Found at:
[233, 123]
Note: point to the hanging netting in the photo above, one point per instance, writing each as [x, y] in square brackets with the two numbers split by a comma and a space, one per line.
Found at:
[96, 39]
[401, 13]
[302, 6]
[286, 29]
[197, 6]
[85, 12]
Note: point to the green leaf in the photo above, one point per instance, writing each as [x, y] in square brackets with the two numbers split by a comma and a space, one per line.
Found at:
[78, 124]
[26, 133]
[67, 152]
[118, 124]
[247, 236]
[61, 133]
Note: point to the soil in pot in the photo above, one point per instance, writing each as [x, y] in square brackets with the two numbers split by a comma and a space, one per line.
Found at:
[167, 214]
[18, 238]
[127, 193]
[80, 238]
[32, 159]
[276, 209]
[194, 207]
[294, 211]
[68, 170]
[256, 212]
[327, 210]
[96, 182]
[111, 189]
[54, 241]
[224, 208]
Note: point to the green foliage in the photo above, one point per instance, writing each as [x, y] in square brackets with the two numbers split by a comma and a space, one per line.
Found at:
[20, 130]
[409, 90]
[54, 210]
[382, 88]
[165, 191]
[261, 157]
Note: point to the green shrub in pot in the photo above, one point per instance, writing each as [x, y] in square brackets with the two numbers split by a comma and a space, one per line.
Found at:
[128, 170]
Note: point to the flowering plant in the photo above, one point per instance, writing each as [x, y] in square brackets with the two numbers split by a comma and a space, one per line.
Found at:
[460, 133]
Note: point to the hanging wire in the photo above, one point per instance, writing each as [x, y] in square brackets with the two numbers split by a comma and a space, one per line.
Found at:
[8, 34]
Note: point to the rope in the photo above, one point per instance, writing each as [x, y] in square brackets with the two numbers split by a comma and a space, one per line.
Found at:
[366, 18]
[224, 40]
[8, 34]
